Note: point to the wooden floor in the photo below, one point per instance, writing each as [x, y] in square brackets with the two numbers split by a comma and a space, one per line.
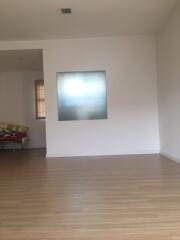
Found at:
[102, 198]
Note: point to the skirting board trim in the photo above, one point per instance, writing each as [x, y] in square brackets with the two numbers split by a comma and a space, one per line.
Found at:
[170, 157]
[52, 155]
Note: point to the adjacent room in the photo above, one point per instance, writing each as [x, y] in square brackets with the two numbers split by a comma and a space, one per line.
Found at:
[90, 120]
[22, 119]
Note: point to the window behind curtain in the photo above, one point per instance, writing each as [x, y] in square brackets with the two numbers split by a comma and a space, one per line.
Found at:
[40, 99]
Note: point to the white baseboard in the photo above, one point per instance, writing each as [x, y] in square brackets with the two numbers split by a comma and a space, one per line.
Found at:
[121, 153]
[170, 157]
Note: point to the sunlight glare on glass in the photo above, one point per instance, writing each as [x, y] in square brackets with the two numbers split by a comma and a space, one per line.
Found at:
[74, 87]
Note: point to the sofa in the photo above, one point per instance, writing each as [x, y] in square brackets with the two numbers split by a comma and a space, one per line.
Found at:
[11, 133]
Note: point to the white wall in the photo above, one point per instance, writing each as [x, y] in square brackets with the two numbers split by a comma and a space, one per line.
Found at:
[132, 125]
[17, 104]
[169, 86]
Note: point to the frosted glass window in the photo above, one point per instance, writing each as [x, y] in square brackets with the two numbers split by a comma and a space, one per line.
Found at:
[82, 95]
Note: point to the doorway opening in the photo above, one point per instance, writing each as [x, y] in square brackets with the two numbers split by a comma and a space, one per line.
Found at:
[22, 99]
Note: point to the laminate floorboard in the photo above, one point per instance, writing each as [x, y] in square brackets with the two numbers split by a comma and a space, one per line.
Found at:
[88, 198]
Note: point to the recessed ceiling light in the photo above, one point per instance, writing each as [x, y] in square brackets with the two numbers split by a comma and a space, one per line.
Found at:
[66, 10]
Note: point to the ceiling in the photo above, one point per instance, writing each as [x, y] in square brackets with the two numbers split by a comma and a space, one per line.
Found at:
[21, 60]
[42, 19]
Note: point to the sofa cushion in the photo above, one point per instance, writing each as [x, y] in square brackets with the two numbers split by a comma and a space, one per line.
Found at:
[10, 138]
[17, 128]
[12, 128]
